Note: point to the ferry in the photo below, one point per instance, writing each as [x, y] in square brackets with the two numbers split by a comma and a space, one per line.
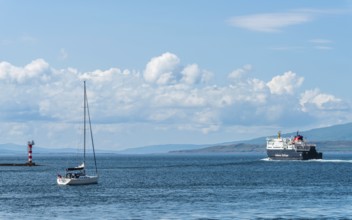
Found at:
[295, 148]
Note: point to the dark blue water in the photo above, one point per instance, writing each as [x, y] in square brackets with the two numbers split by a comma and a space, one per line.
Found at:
[182, 187]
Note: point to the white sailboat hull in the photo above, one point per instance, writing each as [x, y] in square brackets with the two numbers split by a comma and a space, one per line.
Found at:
[82, 180]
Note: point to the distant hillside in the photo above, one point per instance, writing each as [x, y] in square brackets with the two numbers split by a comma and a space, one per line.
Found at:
[342, 132]
[334, 146]
[226, 148]
[322, 146]
[334, 138]
[9, 149]
[161, 149]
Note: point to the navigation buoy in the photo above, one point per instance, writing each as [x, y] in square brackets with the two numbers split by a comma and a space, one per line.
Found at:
[30, 145]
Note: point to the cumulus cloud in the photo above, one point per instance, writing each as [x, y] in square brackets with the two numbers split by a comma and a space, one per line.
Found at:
[36, 69]
[312, 100]
[167, 69]
[100, 75]
[168, 95]
[162, 69]
[178, 96]
[285, 84]
[191, 74]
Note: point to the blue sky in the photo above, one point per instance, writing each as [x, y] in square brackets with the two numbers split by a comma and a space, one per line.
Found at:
[171, 72]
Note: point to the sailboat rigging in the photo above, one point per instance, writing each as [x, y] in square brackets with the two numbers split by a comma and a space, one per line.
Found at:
[77, 175]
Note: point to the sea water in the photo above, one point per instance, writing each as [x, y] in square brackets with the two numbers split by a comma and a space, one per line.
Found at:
[234, 186]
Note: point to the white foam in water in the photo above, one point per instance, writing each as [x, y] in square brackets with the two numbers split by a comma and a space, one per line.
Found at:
[313, 160]
[332, 161]
[266, 159]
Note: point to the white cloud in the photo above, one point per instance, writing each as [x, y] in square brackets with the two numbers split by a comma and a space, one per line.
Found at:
[178, 96]
[322, 44]
[275, 22]
[168, 96]
[99, 76]
[312, 100]
[191, 74]
[270, 22]
[166, 114]
[162, 70]
[285, 84]
[167, 69]
[36, 69]
[238, 73]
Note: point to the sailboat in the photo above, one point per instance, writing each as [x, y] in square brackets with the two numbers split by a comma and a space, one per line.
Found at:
[77, 175]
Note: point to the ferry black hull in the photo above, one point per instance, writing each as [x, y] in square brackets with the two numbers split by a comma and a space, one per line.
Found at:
[294, 155]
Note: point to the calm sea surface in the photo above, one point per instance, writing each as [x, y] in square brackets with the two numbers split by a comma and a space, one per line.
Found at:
[239, 186]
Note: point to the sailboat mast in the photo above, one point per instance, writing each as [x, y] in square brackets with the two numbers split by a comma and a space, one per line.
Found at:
[84, 124]
[91, 136]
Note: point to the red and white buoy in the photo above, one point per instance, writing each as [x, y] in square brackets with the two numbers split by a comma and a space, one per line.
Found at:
[30, 145]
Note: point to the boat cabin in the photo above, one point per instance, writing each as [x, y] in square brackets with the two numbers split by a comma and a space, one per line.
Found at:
[75, 172]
